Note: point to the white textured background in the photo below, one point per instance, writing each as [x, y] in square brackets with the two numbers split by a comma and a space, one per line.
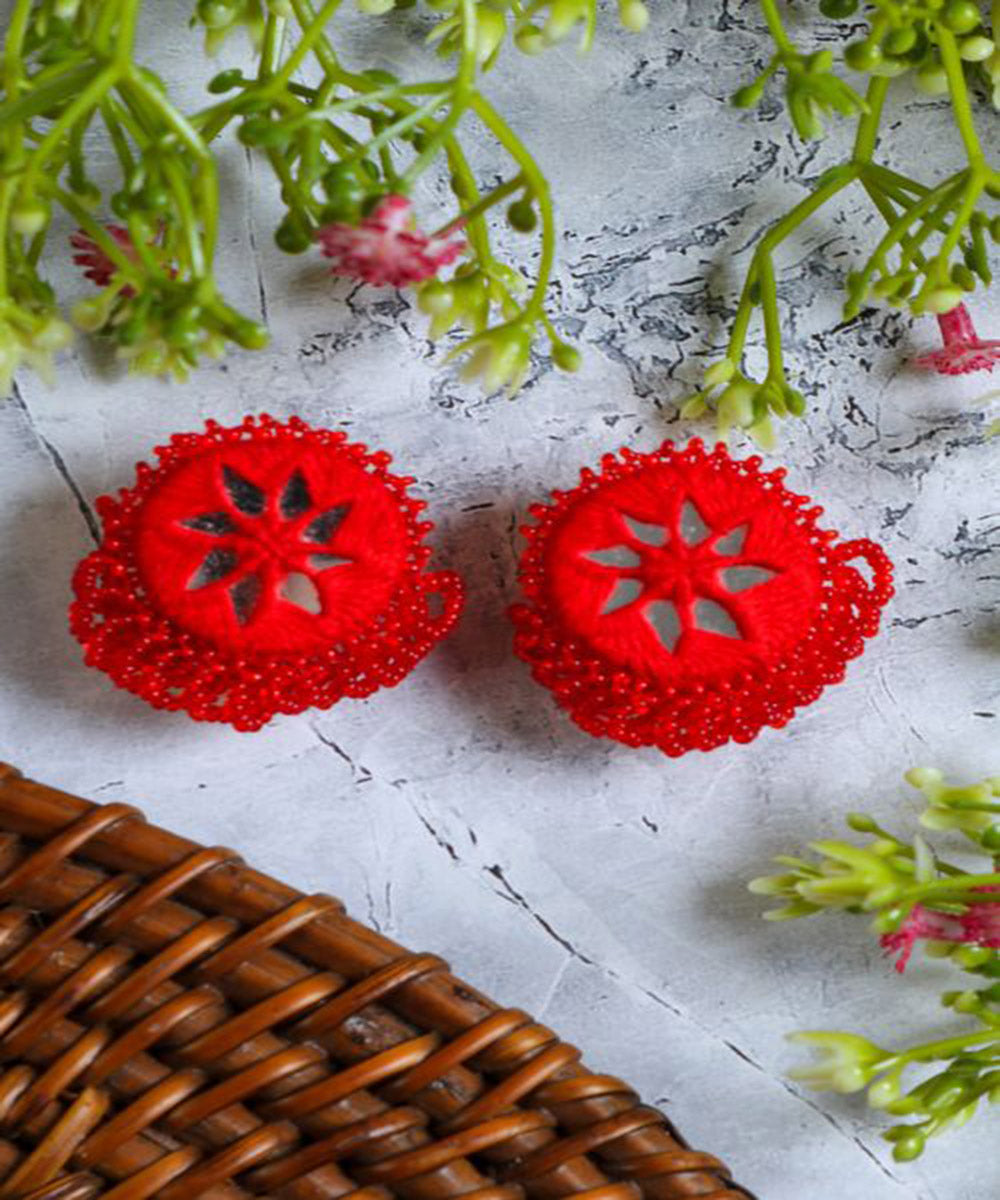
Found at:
[600, 887]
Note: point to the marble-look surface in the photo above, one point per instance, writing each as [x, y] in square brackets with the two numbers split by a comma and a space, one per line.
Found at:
[599, 887]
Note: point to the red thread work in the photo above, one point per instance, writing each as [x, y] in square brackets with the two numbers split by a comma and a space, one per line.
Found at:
[682, 599]
[262, 569]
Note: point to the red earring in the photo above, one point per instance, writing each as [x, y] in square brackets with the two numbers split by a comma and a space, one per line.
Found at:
[262, 569]
[682, 599]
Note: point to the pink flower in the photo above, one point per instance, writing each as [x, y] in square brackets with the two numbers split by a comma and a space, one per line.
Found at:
[979, 926]
[98, 267]
[963, 351]
[385, 248]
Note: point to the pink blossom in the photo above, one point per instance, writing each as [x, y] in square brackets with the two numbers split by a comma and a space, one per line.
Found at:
[385, 248]
[98, 267]
[979, 926]
[963, 350]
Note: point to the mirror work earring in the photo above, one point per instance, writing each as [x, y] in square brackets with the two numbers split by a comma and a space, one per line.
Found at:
[683, 599]
[262, 569]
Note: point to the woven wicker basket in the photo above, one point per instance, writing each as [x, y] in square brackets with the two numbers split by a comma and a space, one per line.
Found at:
[174, 1024]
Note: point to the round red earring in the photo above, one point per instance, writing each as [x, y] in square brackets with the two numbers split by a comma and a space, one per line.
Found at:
[683, 599]
[261, 569]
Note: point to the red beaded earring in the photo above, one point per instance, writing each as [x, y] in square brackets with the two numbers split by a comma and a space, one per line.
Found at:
[262, 569]
[682, 599]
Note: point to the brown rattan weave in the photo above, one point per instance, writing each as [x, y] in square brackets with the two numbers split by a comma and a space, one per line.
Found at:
[174, 1024]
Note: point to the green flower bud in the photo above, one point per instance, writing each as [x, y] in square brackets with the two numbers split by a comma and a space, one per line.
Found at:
[694, 407]
[216, 14]
[863, 56]
[976, 49]
[376, 8]
[225, 81]
[90, 314]
[838, 10]
[990, 839]
[566, 357]
[900, 41]
[963, 277]
[748, 96]
[184, 330]
[491, 27]
[259, 131]
[735, 405]
[54, 335]
[795, 401]
[883, 1092]
[435, 298]
[961, 16]
[932, 79]
[29, 217]
[720, 372]
[251, 335]
[529, 39]
[908, 1143]
[563, 16]
[155, 197]
[293, 235]
[521, 216]
[634, 15]
[942, 299]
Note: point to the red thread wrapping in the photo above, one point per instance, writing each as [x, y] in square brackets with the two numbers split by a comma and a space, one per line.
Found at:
[261, 569]
[682, 599]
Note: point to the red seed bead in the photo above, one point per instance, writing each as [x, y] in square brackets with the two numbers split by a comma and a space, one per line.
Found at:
[683, 599]
[262, 569]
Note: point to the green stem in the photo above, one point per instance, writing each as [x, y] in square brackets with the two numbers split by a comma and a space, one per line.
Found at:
[207, 181]
[945, 1048]
[836, 182]
[867, 135]
[88, 99]
[483, 204]
[461, 97]
[313, 36]
[952, 62]
[539, 186]
[776, 26]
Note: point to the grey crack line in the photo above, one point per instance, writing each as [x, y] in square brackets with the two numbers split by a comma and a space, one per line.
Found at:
[511, 894]
[252, 236]
[59, 464]
[361, 772]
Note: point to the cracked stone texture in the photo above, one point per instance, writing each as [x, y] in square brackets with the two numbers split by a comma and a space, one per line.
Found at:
[600, 887]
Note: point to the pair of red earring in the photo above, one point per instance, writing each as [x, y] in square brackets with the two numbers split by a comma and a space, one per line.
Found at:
[678, 599]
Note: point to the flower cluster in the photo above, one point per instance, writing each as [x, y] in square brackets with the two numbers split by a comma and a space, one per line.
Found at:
[935, 249]
[346, 150]
[914, 897]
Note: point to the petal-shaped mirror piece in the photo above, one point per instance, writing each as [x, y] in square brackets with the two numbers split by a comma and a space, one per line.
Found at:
[643, 531]
[734, 541]
[623, 593]
[741, 579]
[295, 499]
[326, 524]
[665, 620]
[694, 528]
[245, 596]
[215, 523]
[323, 562]
[614, 556]
[216, 565]
[247, 497]
[713, 618]
[299, 589]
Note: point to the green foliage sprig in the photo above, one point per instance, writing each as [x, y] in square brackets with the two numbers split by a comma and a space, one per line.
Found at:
[935, 246]
[338, 140]
[913, 896]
